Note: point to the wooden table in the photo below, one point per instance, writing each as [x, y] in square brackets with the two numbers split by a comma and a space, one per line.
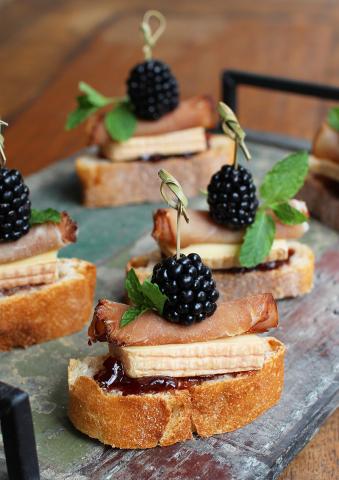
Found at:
[46, 47]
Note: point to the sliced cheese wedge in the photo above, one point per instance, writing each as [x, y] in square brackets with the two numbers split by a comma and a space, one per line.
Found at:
[227, 355]
[220, 256]
[324, 167]
[191, 140]
[40, 269]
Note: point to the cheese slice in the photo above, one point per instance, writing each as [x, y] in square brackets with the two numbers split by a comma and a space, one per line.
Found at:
[38, 270]
[191, 140]
[324, 167]
[223, 256]
[8, 268]
[227, 355]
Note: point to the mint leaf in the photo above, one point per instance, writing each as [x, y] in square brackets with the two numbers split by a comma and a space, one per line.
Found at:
[88, 104]
[95, 98]
[258, 240]
[285, 179]
[131, 314]
[152, 293]
[43, 216]
[288, 214]
[78, 116]
[121, 122]
[144, 297]
[133, 287]
[333, 118]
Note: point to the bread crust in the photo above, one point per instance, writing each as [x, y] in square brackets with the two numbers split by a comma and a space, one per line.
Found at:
[36, 315]
[107, 183]
[290, 280]
[145, 421]
[326, 210]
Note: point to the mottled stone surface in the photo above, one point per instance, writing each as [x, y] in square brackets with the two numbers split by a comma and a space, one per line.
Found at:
[309, 327]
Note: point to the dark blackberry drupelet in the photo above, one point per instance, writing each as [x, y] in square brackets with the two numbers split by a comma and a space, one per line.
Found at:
[15, 206]
[232, 197]
[190, 289]
[152, 89]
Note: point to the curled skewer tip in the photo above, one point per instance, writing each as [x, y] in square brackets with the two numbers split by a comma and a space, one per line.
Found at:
[179, 199]
[232, 128]
[2, 142]
[151, 38]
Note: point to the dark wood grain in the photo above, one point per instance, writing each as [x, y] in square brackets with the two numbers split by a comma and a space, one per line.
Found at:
[47, 46]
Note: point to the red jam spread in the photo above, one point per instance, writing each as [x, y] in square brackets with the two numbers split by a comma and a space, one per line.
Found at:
[157, 157]
[112, 377]
[262, 267]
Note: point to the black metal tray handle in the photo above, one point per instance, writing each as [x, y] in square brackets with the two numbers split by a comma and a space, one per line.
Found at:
[18, 434]
[231, 79]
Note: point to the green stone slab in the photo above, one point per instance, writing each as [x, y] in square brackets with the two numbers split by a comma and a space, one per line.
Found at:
[108, 237]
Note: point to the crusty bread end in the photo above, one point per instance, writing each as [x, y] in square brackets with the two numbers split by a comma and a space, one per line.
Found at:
[107, 183]
[37, 314]
[327, 209]
[148, 420]
[289, 280]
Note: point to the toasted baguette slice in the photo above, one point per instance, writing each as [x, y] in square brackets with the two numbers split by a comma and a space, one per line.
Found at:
[144, 421]
[107, 183]
[322, 197]
[289, 280]
[40, 313]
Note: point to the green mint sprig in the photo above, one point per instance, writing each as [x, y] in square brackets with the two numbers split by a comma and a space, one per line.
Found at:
[278, 187]
[43, 216]
[333, 118]
[120, 121]
[145, 296]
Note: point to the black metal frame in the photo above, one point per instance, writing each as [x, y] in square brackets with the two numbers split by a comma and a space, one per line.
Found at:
[18, 434]
[232, 79]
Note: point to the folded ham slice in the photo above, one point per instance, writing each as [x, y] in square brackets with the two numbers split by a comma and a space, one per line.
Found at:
[254, 314]
[326, 144]
[197, 111]
[202, 229]
[40, 239]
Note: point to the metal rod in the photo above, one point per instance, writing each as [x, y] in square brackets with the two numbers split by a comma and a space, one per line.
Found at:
[231, 79]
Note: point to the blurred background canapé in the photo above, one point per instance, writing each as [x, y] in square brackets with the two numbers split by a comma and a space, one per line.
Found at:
[47, 46]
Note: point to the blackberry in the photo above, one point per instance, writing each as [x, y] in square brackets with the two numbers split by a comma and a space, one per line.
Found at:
[152, 89]
[232, 197]
[15, 206]
[189, 286]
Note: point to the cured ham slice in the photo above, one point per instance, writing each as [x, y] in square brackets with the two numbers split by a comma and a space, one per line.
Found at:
[254, 314]
[40, 239]
[197, 111]
[202, 229]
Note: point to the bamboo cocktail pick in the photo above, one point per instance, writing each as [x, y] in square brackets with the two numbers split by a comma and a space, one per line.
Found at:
[232, 129]
[2, 144]
[151, 38]
[179, 200]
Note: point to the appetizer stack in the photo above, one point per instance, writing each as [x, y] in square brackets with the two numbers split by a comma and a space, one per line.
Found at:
[179, 361]
[148, 129]
[323, 179]
[41, 297]
[251, 248]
